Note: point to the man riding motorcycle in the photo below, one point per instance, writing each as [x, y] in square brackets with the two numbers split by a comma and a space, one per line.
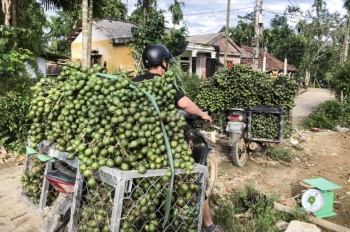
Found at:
[157, 58]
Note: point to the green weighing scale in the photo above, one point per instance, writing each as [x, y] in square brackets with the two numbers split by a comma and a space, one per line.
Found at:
[319, 200]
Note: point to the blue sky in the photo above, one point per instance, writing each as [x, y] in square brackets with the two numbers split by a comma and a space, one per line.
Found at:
[204, 17]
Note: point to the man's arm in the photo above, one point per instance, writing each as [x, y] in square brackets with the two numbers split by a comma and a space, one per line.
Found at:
[187, 105]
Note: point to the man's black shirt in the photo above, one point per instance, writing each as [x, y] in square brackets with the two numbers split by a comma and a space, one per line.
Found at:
[149, 76]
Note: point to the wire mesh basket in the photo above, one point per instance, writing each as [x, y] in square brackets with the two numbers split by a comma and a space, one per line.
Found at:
[128, 201]
[35, 190]
[265, 123]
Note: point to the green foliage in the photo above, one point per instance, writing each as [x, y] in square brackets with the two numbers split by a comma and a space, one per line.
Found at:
[148, 34]
[243, 33]
[61, 27]
[75, 5]
[13, 59]
[329, 115]
[32, 17]
[341, 80]
[29, 23]
[14, 87]
[189, 84]
[176, 11]
[153, 32]
[324, 36]
[144, 11]
[15, 96]
[279, 153]
[174, 38]
[313, 46]
[115, 9]
[250, 210]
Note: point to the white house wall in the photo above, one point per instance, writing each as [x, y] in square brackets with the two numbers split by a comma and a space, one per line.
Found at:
[97, 35]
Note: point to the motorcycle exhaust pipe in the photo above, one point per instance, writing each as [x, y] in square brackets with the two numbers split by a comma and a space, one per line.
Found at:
[254, 146]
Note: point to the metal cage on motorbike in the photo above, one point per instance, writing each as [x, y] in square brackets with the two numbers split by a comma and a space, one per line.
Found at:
[267, 110]
[44, 147]
[122, 186]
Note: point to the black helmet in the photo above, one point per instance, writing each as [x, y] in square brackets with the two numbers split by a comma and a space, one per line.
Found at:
[154, 55]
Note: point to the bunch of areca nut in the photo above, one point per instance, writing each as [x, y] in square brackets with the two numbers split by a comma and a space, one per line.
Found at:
[107, 120]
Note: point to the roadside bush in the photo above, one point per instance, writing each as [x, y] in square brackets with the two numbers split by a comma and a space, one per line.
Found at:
[15, 97]
[191, 84]
[341, 80]
[250, 210]
[329, 115]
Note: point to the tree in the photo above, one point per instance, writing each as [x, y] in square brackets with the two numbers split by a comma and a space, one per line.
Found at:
[147, 34]
[153, 33]
[6, 4]
[319, 6]
[344, 53]
[29, 16]
[115, 9]
[146, 7]
[243, 33]
[61, 26]
[177, 15]
[320, 32]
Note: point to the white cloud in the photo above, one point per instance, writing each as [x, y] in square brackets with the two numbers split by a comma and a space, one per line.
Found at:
[205, 20]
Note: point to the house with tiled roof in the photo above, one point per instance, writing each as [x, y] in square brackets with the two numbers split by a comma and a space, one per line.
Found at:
[109, 44]
[205, 54]
[272, 64]
[204, 62]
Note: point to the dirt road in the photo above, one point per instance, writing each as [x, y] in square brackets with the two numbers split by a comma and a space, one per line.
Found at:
[15, 215]
[307, 102]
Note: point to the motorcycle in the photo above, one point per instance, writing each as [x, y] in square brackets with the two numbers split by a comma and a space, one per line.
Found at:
[304, 85]
[239, 128]
[201, 151]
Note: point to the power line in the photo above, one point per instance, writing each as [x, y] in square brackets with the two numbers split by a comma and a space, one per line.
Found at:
[290, 2]
[285, 14]
[296, 3]
[209, 5]
[281, 12]
[219, 11]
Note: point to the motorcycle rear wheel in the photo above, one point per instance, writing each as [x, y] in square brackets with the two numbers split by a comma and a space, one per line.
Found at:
[212, 173]
[239, 153]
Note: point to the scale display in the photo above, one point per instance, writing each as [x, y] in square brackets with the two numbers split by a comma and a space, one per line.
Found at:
[319, 200]
[312, 200]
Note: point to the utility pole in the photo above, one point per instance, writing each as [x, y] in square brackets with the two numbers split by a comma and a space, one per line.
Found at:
[127, 10]
[258, 28]
[227, 30]
[264, 60]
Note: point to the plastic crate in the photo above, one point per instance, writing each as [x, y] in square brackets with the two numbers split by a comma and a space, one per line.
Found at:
[126, 192]
[265, 111]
